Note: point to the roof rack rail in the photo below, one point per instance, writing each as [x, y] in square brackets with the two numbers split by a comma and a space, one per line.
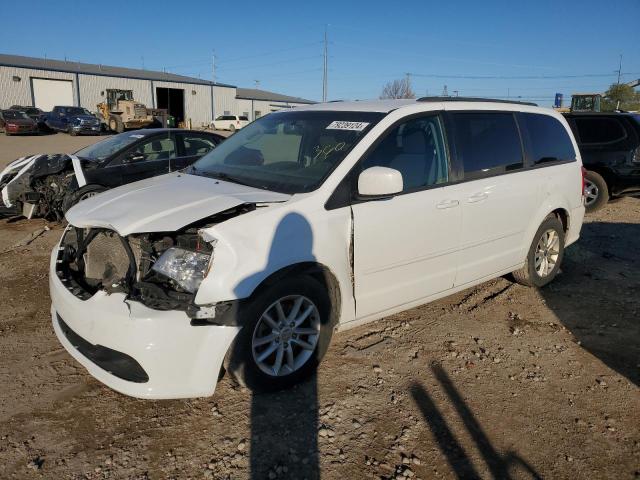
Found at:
[473, 99]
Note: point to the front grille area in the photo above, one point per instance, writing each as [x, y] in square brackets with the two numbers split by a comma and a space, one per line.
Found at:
[139, 111]
[91, 259]
[116, 363]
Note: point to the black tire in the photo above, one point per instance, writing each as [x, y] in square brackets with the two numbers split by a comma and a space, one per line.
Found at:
[528, 275]
[240, 361]
[81, 194]
[596, 192]
[72, 132]
[115, 124]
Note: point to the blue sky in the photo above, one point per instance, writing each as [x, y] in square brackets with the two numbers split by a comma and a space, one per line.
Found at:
[279, 43]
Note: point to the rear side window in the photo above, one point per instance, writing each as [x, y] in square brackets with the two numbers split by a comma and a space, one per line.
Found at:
[487, 143]
[246, 119]
[599, 130]
[547, 138]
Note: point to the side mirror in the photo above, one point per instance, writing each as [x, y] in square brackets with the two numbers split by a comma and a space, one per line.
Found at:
[379, 182]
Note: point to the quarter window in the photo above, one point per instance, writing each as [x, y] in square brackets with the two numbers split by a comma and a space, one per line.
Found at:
[548, 139]
[487, 143]
[599, 130]
[417, 150]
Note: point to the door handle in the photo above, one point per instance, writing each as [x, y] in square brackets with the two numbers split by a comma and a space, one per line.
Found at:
[447, 204]
[478, 197]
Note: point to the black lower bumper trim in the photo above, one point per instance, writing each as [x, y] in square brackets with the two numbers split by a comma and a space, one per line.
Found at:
[117, 363]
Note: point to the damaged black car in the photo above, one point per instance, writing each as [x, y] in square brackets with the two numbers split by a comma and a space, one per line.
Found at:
[47, 185]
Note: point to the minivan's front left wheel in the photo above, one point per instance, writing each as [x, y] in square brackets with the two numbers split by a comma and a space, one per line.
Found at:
[544, 256]
[286, 330]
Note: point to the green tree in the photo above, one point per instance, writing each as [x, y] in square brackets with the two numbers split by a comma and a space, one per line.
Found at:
[620, 96]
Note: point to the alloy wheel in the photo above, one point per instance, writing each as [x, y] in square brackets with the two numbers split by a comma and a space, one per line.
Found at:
[286, 335]
[590, 192]
[547, 253]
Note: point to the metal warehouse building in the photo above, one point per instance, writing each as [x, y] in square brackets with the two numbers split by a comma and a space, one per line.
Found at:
[44, 83]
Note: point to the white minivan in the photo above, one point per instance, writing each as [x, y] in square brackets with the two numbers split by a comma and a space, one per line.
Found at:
[230, 122]
[305, 222]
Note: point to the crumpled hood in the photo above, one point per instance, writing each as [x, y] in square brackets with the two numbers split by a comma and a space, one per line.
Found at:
[164, 204]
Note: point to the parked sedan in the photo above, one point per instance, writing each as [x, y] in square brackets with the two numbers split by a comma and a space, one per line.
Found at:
[73, 120]
[47, 185]
[34, 113]
[14, 122]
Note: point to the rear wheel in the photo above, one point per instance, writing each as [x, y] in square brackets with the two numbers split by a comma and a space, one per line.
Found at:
[544, 256]
[232, 128]
[596, 191]
[286, 330]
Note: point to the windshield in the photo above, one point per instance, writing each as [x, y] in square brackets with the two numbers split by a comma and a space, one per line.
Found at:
[289, 152]
[14, 114]
[106, 148]
[77, 111]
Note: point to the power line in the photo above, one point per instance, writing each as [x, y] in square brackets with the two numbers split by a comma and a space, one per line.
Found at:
[517, 77]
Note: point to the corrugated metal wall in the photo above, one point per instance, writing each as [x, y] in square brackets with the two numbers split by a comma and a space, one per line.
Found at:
[92, 85]
[225, 100]
[20, 93]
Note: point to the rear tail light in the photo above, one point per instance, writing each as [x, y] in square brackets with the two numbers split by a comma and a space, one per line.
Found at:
[584, 175]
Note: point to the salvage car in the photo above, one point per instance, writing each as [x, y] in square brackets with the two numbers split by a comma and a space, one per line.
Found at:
[73, 120]
[15, 122]
[307, 221]
[610, 148]
[34, 113]
[47, 185]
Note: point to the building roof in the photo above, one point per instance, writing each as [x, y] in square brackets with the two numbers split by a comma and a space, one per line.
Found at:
[255, 94]
[103, 70]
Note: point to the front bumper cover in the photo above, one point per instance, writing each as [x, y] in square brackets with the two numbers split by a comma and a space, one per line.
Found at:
[180, 360]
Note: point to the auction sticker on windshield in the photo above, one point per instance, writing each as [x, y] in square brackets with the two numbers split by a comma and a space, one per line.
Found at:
[342, 125]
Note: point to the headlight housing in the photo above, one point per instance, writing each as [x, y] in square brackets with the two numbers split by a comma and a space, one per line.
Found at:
[187, 268]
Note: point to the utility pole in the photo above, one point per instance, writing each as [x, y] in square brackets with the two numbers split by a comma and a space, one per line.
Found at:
[257, 83]
[324, 69]
[445, 92]
[213, 67]
[619, 69]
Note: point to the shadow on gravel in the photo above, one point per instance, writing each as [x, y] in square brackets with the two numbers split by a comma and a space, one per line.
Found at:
[284, 425]
[597, 297]
[501, 466]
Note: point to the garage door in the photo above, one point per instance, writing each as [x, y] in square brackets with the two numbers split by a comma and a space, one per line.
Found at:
[49, 93]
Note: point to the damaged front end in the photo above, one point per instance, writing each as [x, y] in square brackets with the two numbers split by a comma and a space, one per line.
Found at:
[38, 185]
[161, 270]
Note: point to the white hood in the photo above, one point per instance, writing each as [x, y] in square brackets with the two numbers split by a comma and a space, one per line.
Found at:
[164, 204]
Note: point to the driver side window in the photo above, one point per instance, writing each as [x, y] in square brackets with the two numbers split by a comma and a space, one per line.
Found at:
[157, 148]
[417, 150]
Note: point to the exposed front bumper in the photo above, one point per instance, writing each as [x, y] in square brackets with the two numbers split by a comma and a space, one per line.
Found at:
[180, 360]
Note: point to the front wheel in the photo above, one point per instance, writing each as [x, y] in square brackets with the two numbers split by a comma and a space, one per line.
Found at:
[545, 255]
[286, 330]
[81, 194]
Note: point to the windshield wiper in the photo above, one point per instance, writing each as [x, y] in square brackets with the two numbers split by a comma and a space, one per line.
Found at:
[222, 176]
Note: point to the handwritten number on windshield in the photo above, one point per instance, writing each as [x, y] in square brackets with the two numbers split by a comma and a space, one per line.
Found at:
[323, 152]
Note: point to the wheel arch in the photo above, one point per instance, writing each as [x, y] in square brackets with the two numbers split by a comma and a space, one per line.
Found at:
[319, 272]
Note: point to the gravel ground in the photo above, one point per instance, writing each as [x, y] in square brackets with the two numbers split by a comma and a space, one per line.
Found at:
[499, 381]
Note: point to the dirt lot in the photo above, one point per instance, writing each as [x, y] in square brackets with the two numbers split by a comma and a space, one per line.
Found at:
[499, 381]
